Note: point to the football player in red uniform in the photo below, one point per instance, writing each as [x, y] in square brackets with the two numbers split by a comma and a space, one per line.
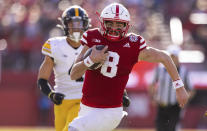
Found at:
[101, 104]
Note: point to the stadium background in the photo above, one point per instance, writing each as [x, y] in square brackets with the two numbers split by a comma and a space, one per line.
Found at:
[26, 24]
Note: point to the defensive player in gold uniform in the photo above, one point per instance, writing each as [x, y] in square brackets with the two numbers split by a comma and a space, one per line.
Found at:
[60, 53]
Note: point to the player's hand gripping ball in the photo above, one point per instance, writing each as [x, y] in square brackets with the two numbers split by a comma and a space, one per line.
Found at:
[88, 52]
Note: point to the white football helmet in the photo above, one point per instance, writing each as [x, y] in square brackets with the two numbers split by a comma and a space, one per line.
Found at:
[115, 12]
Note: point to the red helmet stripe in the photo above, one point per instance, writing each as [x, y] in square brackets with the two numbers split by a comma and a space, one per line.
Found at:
[117, 11]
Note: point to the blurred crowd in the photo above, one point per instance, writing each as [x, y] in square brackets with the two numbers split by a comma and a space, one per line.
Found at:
[26, 24]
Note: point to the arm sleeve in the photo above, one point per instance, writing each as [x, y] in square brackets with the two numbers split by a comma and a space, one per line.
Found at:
[46, 49]
[44, 86]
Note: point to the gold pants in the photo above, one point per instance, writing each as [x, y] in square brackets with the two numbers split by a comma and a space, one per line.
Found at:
[65, 113]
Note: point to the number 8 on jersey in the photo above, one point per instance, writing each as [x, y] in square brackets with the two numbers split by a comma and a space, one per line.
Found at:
[109, 68]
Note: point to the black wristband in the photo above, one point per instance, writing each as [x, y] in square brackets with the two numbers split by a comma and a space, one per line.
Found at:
[44, 86]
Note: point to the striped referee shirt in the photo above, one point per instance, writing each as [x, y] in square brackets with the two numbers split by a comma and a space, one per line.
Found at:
[166, 94]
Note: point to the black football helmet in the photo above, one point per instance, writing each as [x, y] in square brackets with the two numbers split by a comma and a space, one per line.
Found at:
[78, 18]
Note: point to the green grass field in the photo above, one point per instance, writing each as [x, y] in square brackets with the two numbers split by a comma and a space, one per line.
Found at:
[52, 129]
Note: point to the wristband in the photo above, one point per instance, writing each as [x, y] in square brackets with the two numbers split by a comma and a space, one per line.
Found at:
[44, 86]
[88, 62]
[178, 84]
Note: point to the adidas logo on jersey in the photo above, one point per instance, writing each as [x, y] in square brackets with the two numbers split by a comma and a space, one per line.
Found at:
[96, 40]
[127, 45]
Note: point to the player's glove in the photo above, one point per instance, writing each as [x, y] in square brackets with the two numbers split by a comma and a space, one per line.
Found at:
[56, 98]
[126, 100]
[45, 87]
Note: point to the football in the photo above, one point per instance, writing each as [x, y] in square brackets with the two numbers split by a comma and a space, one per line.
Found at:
[88, 52]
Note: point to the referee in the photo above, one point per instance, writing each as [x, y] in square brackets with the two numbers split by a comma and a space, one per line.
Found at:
[168, 110]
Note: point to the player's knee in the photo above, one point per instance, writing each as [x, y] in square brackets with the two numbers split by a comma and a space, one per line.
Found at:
[70, 128]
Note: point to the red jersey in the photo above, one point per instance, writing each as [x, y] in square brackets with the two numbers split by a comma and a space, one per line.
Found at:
[104, 87]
